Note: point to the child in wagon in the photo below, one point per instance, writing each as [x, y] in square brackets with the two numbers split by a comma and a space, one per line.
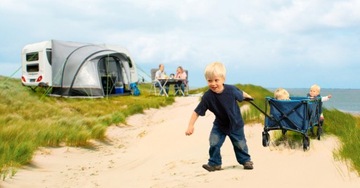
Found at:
[281, 94]
[314, 93]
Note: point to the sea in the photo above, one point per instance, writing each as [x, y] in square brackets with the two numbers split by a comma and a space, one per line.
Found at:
[346, 100]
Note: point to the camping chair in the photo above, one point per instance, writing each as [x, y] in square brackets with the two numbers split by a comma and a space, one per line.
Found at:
[186, 92]
[156, 84]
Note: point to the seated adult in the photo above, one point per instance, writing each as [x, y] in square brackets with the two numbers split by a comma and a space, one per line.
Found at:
[160, 74]
[180, 74]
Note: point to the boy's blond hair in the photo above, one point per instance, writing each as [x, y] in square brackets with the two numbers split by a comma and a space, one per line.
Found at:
[281, 94]
[315, 87]
[215, 69]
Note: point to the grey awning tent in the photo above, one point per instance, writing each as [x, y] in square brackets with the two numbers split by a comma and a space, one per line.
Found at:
[88, 70]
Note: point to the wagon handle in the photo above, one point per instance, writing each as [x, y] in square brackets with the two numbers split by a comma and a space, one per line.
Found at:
[250, 100]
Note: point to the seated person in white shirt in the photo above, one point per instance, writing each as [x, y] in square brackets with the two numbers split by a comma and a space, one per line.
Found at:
[160, 74]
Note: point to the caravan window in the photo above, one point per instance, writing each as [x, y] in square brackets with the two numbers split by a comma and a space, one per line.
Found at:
[48, 55]
[32, 68]
[33, 56]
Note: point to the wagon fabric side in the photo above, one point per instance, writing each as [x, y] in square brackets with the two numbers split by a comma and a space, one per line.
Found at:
[298, 114]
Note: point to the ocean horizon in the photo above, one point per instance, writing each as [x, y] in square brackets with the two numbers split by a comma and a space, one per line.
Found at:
[346, 100]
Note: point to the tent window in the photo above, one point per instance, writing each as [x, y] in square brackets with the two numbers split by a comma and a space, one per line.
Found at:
[110, 66]
[110, 72]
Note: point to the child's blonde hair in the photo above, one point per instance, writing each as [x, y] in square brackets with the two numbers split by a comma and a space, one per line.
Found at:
[315, 87]
[281, 94]
[215, 69]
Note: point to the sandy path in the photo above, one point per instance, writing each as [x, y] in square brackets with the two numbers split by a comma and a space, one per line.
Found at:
[153, 151]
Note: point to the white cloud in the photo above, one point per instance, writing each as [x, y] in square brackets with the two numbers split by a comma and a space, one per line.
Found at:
[343, 14]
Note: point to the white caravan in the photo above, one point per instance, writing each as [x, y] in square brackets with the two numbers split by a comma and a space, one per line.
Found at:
[36, 64]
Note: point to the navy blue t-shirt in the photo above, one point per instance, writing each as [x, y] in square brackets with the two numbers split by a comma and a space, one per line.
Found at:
[224, 106]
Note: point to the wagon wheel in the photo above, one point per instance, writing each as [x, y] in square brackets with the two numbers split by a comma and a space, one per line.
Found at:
[265, 138]
[306, 143]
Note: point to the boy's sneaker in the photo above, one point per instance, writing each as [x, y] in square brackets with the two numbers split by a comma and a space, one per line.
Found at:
[211, 168]
[248, 165]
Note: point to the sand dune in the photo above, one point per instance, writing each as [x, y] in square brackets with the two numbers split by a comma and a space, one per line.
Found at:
[153, 151]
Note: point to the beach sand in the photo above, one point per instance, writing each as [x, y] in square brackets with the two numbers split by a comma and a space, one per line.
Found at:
[151, 150]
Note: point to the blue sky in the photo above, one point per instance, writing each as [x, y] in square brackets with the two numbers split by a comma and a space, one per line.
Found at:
[274, 43]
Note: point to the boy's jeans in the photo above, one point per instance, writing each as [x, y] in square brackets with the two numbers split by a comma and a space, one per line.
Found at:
[217, 138]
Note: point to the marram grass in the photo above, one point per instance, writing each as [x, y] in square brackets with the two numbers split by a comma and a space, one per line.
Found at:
[347, 128]
[29, 120]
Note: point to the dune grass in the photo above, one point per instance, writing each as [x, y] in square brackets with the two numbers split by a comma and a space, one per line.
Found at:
[347, 128]
[29, 120]
[258, 93]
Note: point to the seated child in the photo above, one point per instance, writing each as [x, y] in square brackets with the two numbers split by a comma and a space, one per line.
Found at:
[315, 92]
[281, 94]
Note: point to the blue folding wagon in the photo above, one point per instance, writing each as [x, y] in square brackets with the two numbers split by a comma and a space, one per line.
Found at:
[299, 114]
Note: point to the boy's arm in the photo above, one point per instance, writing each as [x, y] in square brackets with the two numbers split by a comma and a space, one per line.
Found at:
[192, 121]
[326, 98]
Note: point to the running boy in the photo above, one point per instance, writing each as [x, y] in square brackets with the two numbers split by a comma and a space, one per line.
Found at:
[221, 99]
